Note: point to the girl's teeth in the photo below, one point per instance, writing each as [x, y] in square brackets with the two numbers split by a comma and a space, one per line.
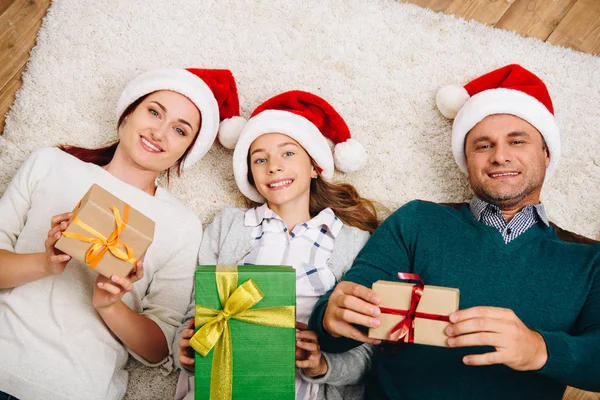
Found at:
[280, 183]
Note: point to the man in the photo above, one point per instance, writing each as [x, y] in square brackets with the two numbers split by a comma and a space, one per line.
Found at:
[530, 318]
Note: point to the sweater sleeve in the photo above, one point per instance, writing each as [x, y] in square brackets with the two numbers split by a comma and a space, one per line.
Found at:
[574, 358]
[388, 251]
[16, 201]
[348, 368]
[168, 294]
[208, 255]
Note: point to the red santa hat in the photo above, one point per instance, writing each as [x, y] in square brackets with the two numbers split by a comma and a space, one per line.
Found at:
[306, 118]
[213, 91]
[508, 90]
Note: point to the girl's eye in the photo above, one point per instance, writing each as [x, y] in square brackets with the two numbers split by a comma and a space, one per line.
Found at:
[260, 161]
[180, 131]
[154, 112]
[288, 154]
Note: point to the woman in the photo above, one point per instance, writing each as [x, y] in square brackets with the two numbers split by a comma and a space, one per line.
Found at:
[296, 217]
[66, 330]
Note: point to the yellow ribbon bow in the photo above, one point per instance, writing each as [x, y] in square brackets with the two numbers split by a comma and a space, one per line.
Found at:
[236, 302]
[100, 243]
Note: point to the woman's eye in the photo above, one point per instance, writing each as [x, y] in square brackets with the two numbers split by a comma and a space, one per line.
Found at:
[154, 112]
[288, 154]
[180, 131]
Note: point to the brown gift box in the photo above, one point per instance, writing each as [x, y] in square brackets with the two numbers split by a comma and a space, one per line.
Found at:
[435, 300]
[96, 210]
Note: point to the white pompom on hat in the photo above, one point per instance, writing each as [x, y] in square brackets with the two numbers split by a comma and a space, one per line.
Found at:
[213, 91]
[306, 118]
[512, 90]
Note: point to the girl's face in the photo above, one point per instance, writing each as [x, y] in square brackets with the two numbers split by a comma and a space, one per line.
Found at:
[159, 131]
[281, 169]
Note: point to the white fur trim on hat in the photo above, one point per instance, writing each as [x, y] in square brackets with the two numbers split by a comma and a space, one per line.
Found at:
[276, 121]
[230, 130]
[349, 156]
[505, 101]
[450, 99]
[186, 83]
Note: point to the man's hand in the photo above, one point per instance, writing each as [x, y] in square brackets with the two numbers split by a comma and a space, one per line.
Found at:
[517, 346]
[351, 303]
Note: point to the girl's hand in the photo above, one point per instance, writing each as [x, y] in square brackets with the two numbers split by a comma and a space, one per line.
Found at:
[56, 260]
[308, 352]
[108, 292]
[186, 353]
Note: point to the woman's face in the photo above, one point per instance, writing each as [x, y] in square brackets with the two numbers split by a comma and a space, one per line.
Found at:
[159, 131]
[281, 169]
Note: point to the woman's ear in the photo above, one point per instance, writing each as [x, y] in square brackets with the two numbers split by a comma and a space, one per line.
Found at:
[313, 172]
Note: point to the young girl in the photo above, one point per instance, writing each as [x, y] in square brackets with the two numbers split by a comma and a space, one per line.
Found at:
[281, 163]
[66, 331]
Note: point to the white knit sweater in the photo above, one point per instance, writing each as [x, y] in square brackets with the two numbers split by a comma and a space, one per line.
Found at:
[53, 343]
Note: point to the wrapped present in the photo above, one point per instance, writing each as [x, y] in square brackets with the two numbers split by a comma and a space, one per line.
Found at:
[414, 313]
[106, 233]
[245, 332]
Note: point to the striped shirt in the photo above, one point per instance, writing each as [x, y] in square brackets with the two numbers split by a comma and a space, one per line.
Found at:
[307, 248]
[491, 215]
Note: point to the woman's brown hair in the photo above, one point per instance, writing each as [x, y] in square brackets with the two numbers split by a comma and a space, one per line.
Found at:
[343, 199]
[103, 155]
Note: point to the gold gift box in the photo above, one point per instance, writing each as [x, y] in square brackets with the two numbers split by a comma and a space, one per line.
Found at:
[95, 219]
[435, 300]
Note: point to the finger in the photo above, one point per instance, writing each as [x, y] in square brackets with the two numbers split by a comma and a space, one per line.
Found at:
[308, 346]
[351, 332]
[61, 258]
[187, 333]
[360, 291]
[185, 360]
[310, 336]
[184, 344]
[110, 288]
[191, 323]
[477, 325]
[123, 282]
[478, 339]
[139, 271]
[57, 219]
[351, 316]
[301, 326]
[476, 360]
[307, 364]
[482, 312]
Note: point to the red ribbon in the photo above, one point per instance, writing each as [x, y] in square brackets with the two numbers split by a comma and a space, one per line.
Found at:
[407, 325]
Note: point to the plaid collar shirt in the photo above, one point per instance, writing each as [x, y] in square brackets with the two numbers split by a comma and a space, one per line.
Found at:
[491, 215]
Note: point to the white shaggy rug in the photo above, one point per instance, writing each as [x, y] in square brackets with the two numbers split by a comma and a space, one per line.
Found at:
[379, 62]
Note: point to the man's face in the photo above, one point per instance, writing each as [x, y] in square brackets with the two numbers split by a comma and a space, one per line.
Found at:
[506, 161]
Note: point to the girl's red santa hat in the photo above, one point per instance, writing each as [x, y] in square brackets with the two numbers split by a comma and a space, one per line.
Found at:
[306, 118]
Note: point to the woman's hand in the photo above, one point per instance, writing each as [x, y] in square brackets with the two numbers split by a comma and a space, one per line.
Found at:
[56, 260]
[308, 352]
[186, 353]
[109, 291]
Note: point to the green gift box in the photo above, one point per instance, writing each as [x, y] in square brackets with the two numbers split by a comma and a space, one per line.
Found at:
[245, 332]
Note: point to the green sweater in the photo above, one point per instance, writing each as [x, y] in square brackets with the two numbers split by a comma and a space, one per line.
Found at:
[552, 285]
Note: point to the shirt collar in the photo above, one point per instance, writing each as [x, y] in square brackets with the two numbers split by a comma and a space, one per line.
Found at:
[255, 216]
[478, 206]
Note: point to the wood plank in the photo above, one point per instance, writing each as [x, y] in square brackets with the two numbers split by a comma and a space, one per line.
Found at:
[486, 11]
[580, 28]
[534, 18]
[18, 29]
[4, 4]
[8, 96]
[435, 5]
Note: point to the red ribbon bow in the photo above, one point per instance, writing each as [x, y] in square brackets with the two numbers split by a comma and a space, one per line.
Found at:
[407, 325]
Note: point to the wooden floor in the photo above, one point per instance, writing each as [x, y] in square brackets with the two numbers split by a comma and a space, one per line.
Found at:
[568, 23]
